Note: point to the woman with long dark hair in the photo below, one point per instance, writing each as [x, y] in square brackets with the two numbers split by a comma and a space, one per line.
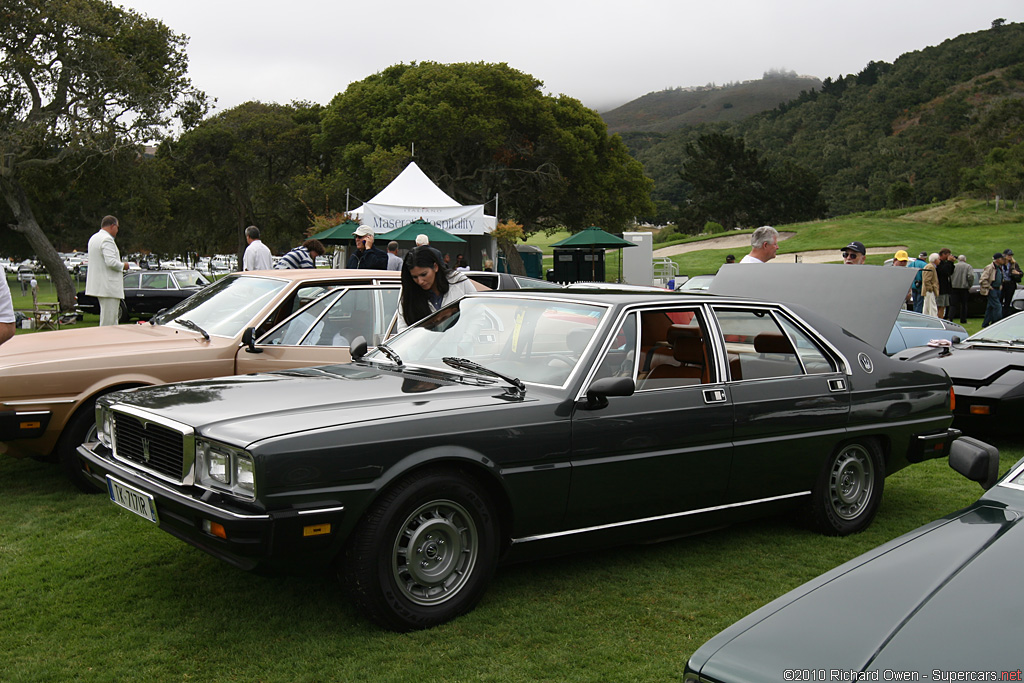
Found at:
[428, 285]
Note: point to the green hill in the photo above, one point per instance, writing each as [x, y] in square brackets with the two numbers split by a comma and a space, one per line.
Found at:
[668, 110]
[892, 135]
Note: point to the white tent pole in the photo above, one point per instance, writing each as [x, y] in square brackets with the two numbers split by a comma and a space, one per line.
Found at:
[346, 200]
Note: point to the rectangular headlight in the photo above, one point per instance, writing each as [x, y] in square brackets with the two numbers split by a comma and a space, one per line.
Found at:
[225, 469]
[104, 425]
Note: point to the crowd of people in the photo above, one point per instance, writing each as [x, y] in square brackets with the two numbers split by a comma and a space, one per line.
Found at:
[942, 285]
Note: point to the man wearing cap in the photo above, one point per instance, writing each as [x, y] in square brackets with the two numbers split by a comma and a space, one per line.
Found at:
[961, 281]
[991, 283]
[367, 256]
[854, 254]
[764, 244]
[900, 259]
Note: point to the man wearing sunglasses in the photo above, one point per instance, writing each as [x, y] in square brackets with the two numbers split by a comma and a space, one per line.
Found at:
[366, 255]
[854, 254]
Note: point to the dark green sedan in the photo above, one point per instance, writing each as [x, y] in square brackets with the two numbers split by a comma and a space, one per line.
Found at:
[522, 424]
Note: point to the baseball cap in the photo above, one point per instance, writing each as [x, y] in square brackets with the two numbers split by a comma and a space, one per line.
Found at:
[363, 231]
[997, 255]
[901, 255]
[1008, 252]
[855, 246]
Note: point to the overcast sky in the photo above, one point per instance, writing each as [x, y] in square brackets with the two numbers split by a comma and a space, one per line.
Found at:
[600, 52]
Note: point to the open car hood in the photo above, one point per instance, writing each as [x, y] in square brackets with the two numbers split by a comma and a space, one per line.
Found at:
[864, 300]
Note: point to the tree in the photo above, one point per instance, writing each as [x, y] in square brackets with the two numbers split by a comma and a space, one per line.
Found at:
[735, 186]
[484, 129]
[81, 78]
[237, 169]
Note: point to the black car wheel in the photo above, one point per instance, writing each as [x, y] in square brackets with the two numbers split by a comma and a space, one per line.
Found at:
[424, 553]
[849, 489]
[79, 429]
[122, 313]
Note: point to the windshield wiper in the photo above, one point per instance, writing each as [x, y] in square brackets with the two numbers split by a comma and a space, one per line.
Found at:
[985, 340]
[390, 353]
[192, 326]
[519, 389]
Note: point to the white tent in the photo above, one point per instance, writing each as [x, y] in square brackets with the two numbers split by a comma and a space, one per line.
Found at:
[413, 195]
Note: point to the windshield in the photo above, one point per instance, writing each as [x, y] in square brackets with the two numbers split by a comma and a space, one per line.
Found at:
[1008, 330]
[529, 339]
[226, 307]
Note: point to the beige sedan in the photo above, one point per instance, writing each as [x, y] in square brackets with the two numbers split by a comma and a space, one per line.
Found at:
[245, 322]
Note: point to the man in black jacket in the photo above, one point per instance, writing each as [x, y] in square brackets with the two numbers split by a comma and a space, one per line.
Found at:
[366, 255]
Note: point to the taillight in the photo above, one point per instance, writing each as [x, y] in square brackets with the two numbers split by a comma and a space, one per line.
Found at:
[952, 399]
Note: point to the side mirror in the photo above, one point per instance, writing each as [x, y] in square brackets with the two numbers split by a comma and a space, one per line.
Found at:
[357, 349]
[249, 339]
[976, 460]
[599, 391]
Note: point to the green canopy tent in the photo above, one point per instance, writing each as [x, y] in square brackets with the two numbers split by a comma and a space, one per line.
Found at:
[339, 234]
[408, 233]
[594, 238]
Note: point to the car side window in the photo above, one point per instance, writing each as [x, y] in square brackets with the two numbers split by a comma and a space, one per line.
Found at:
[757, 347]
[357, 313]
[814, 360]
[131, 281]
[155, 281]
[620, 358]
[296, 328]
[673, 349]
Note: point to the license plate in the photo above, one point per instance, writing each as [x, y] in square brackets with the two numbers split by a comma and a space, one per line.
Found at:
[130, 498]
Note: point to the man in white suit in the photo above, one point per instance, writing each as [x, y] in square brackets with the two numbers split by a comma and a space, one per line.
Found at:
[105, 277]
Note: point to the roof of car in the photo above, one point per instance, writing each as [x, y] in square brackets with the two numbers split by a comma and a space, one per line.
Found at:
[319, 273]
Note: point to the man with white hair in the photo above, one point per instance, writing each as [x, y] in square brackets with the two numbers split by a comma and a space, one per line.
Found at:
[764, 244]
[422, 240]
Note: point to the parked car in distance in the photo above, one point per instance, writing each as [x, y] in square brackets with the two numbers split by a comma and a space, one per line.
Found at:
[505, 281]
[987, 370]
[916, 329]
[512, 425]
[243, 323]
[149, 292]
[938, 603]
[696, 283]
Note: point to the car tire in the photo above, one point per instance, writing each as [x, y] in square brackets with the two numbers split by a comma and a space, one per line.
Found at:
[123, 317]
[79, 429]
[849, 489]
[443, 520]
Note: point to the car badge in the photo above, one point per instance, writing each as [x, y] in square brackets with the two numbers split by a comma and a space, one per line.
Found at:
[145, 450]
[865, 363]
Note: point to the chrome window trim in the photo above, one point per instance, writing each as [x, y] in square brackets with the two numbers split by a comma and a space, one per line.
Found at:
[644, 520]
[188, 443]
[1008, 479]
[40, 402]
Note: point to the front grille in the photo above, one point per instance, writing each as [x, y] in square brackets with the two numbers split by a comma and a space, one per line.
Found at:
[154, 447]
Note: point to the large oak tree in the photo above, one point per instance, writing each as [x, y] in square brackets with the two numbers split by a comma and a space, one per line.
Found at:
[480, 130]
[80, 78]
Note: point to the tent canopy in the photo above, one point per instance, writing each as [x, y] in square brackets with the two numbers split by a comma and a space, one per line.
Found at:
[339, 234]
[413, 195]
[419, 226]
[593, 237]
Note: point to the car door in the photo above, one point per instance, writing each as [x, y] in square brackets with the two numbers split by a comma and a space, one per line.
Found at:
[321, 332]
[791, 400]
[665, 449]
[152, 295]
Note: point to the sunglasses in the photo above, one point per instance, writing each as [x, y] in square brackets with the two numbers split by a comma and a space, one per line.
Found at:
[850, 254]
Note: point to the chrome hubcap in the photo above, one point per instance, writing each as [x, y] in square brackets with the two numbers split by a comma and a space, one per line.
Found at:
[435, 552]
[851, 482]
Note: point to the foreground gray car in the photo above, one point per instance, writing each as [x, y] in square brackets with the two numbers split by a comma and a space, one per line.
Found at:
[940, 603]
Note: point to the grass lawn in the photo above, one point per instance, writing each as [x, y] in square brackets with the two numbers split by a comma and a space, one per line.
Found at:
[91, 592]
